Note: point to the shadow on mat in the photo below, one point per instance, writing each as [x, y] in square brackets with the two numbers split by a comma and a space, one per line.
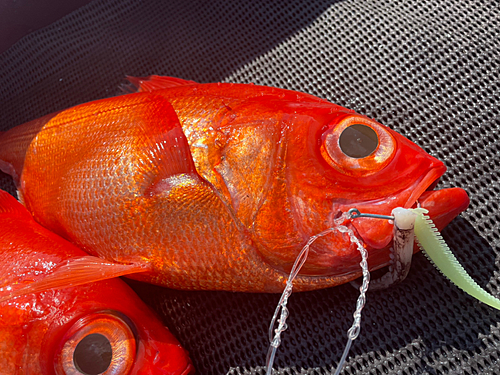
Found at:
[186, 39]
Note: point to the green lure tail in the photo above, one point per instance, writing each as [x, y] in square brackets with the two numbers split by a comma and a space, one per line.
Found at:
[430, 240]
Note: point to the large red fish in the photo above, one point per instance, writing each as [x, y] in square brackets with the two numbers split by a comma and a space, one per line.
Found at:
[219, 186]
[93, 328]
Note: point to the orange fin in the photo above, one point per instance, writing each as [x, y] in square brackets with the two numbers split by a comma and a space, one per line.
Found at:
[14, 144]
[173, 152]
[176, 155]
[12, 207]
[76, 271]
[153, 83]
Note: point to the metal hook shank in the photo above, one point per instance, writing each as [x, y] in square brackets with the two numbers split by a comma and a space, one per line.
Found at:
[354, 214]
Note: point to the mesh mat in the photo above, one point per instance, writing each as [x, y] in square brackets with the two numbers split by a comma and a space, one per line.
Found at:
[428, 69]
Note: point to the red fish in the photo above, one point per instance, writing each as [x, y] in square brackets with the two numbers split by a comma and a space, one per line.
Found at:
[219, 186]
[48, 326]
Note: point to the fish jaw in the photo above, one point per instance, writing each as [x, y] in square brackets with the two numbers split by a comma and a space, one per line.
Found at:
[444, 205]
[377, 234]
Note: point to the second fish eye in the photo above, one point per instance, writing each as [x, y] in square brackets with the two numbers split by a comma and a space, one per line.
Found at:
[358, 141]
[93, 354]
[98, 343]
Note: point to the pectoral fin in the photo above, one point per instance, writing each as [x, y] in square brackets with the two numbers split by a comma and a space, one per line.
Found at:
[77, 271]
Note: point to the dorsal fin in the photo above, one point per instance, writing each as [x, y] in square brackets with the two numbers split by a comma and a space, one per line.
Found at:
[152, 83]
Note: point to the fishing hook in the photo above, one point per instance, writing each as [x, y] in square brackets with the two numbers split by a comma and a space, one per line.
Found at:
[354, 213]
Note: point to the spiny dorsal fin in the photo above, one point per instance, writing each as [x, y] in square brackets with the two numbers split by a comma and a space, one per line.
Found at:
[152, 83]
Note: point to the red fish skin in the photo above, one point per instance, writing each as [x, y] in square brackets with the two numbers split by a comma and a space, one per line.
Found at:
[33, 327]
[226, 197]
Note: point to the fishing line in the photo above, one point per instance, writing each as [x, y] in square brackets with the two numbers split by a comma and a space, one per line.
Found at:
[282, 310]
[408, 224]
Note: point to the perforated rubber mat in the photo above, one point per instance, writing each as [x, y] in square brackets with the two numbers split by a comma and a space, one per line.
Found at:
[428, 69]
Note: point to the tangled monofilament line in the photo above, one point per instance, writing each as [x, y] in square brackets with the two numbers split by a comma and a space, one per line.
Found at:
[353, 332]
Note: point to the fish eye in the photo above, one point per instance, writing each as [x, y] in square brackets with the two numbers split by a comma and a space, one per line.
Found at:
[357, 146]
[97, 344]
[93, 354]
[358, 141]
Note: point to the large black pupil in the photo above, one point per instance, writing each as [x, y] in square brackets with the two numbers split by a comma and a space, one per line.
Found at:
[358, 141]
[92, 355]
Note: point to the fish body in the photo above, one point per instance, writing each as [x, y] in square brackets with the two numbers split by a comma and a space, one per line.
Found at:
[219, 186]
[55, 330]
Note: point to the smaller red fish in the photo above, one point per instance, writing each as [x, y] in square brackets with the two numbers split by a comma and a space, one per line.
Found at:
[50, 326]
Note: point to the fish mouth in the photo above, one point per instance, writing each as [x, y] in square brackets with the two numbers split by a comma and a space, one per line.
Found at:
[427, 183]
[443, 204]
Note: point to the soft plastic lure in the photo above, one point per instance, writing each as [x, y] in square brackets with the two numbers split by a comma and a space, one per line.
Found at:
[430, 240]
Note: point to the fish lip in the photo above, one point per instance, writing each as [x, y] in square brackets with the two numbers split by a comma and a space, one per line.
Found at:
[428, 179]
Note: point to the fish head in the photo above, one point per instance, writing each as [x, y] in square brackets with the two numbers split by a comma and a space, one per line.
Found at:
[377, 170]
[66, 322]
[111, 333]
[335, 160]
